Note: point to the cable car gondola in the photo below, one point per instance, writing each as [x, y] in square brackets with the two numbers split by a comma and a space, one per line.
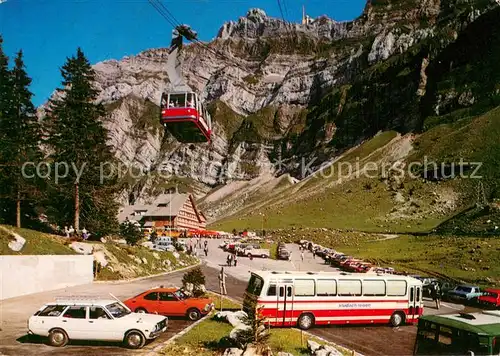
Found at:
[182, 112]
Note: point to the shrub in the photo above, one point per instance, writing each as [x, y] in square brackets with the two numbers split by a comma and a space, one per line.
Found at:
[196, 278]
[256, 333]
[131, 233]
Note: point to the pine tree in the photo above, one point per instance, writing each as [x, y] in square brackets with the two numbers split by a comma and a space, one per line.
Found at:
[20, 144]
[77, 138]
[5, 94]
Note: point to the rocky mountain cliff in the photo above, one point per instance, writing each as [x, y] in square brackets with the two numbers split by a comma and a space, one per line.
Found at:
[281, 92]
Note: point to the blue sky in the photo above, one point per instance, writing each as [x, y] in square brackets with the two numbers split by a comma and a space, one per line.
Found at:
[48, 31]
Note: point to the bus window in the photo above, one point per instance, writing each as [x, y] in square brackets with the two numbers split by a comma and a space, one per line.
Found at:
[282, 292]
[304, 287]
[289, 291]
[255, 285]
[326, 287]
[396, 288]
[373, 288]
[445, 335]
[271, 291]
[349, 287]
[411, 294]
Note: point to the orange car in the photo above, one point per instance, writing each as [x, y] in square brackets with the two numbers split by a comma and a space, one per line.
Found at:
[170, 302]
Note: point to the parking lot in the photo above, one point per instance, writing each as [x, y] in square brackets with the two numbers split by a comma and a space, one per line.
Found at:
[369, 340]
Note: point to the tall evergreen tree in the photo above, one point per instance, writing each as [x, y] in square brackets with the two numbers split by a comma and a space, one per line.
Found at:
[5, 94]
[20, 143]
[77, 139]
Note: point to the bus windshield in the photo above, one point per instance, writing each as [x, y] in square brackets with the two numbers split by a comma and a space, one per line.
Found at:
[255, 285]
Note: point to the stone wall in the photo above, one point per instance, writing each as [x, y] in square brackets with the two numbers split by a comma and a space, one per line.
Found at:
[22, 275]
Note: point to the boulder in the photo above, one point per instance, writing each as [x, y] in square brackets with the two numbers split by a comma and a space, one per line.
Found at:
[156, 255]
[17, 242]
[251, 350]
[233, 352]
[144, 260]
[100, 257]
[83, 248]
[233, 318]
[234, 333]
[176, 255]
[313, 346]
[284, 354]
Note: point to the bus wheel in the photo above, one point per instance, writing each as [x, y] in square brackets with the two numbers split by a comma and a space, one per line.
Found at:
[397, 319]
[306, 321]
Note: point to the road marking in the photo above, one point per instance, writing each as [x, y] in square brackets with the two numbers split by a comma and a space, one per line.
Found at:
[451, 306]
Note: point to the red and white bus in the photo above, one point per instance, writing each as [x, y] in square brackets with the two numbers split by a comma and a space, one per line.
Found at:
[305, 299]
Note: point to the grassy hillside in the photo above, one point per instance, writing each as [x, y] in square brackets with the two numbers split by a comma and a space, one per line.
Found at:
[123, 261]
[466, 258]
[343, 196]
[37, 243]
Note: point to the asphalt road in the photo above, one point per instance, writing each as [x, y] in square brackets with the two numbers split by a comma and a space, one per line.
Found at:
[368, 340]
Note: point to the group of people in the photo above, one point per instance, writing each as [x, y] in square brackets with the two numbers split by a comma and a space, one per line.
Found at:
[232, 258]
[302, 249]
[71, 232]
[190, 104]
[192, 247]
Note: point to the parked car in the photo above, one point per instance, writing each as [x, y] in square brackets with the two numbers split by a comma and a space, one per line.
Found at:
[94, 319]
[444, 288]
[464, 293]
[170, 302]
[257, 252]
[283, 254]
[490, 298]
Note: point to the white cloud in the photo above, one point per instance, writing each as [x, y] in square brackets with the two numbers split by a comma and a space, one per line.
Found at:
[2, 1]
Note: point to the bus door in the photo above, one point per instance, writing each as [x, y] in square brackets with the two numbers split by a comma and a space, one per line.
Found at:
[414, 302]
[285, 304]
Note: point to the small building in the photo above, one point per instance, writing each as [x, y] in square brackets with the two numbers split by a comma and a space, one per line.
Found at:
[170, 211]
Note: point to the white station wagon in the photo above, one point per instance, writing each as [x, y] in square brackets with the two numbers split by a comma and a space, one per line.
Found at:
[95, 319]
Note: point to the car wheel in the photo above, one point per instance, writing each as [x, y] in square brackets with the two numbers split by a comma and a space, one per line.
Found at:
[397, 319]
[249, 255]
[193, 314]
[263, 256]
[141, 310]
[58, 338]
[134, 340]
[306, 321]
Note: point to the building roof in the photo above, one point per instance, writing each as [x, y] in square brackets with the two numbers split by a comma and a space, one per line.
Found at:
[487, 322]
[167, 205]
[128, 212]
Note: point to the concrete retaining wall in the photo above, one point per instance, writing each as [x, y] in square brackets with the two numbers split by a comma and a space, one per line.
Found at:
[21, 275]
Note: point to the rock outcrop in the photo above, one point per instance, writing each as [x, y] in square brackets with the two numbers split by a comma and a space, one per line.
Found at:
[266, 81]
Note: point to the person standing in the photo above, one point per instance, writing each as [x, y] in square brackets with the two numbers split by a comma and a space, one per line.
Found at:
[206, 251]
[436, 295]
[302, 256]
[222, 282]
[235, 260]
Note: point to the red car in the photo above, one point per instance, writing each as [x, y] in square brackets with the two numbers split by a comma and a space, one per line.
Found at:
[170, 302]
[490, 298]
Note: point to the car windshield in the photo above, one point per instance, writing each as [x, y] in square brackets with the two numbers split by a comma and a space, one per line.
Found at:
[180, 295]
[491, 294]
[117, 310]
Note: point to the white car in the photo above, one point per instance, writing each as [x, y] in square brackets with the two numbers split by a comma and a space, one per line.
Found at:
[95, 319]
[257, 252]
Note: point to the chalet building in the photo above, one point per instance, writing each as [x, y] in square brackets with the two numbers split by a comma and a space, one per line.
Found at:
[172, 210]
